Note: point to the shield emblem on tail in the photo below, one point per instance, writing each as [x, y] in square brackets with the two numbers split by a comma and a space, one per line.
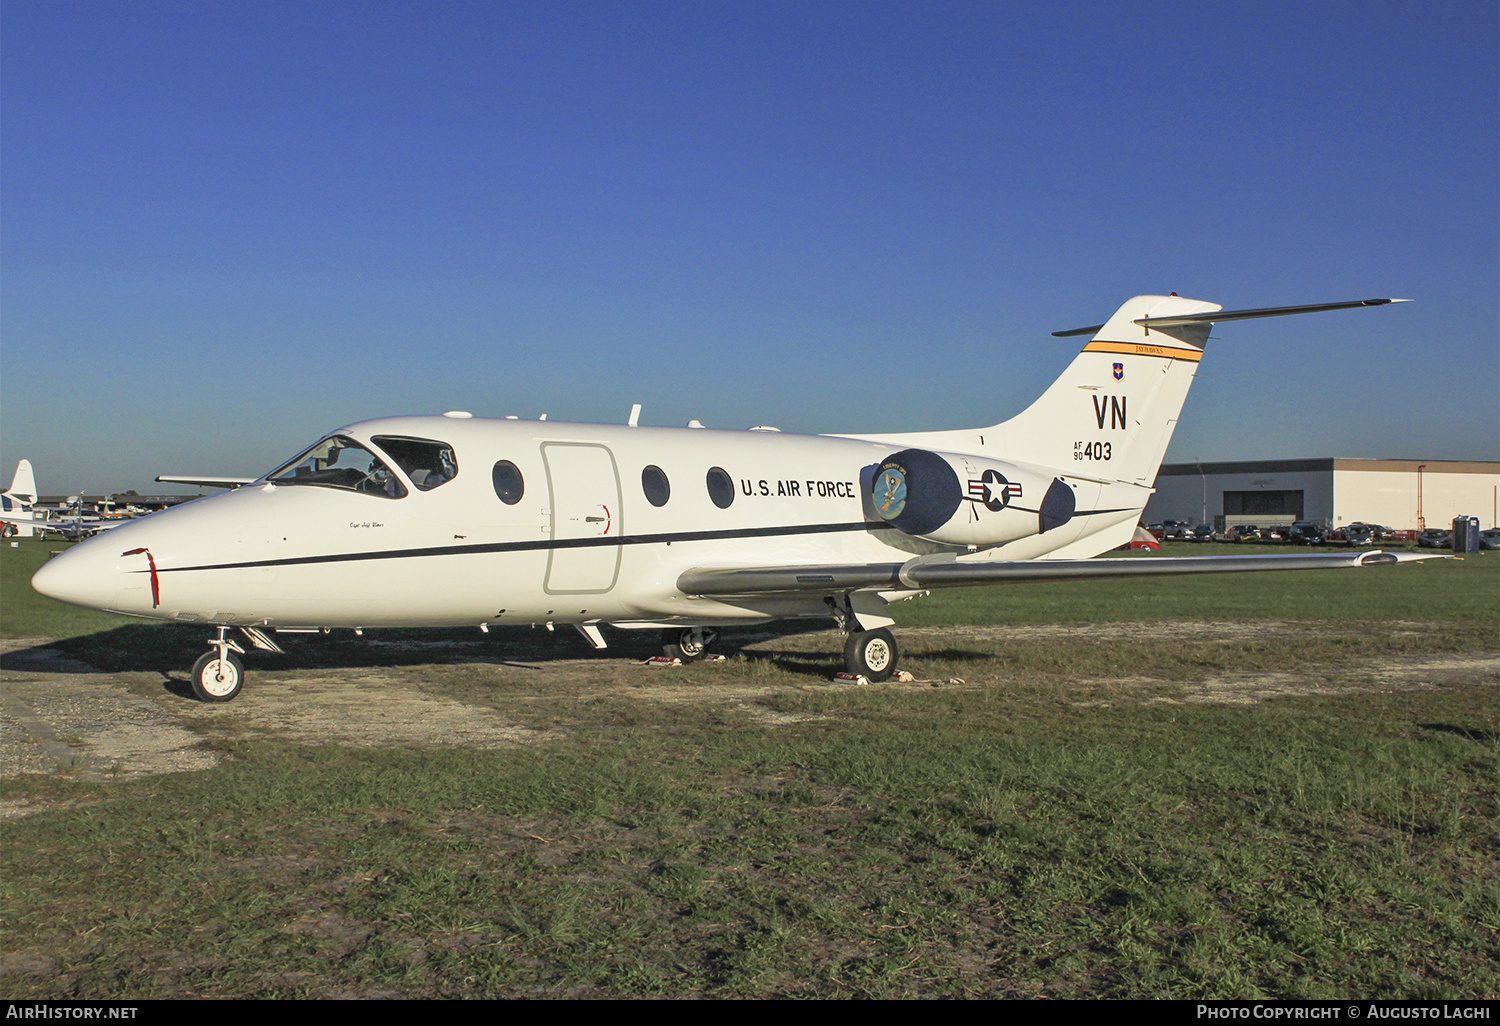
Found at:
[1119, 371]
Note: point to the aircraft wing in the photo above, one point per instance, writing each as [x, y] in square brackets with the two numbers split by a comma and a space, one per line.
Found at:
[86, 527]
[205, 482]
[947, 572]
[74, 527]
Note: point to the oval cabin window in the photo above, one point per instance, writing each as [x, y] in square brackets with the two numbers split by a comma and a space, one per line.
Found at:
[508, 482]
[654, 483]
[720, 488]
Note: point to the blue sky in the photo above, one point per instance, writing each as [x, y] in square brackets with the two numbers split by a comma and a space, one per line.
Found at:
[228, 229]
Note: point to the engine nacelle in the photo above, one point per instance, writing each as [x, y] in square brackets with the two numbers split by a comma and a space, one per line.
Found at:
[966, 500]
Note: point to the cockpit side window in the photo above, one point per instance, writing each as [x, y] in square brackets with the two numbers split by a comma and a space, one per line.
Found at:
[426, 462]
[340, 462]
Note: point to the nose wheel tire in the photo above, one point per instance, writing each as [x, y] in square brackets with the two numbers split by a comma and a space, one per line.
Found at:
[216, 679]
[688, 643]
[871, 654]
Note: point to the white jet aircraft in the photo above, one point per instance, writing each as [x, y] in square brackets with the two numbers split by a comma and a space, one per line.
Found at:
[453, 520]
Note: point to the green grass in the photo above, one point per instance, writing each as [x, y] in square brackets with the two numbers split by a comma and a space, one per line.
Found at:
[953, 843]
[24, 613]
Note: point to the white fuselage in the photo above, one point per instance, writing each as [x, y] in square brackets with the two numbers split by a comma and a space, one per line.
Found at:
[583, 543]
[449, 520]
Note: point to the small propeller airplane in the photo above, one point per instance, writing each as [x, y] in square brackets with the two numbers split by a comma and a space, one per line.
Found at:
[452, 520]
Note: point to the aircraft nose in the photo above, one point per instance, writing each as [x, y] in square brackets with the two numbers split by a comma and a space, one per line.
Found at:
[90, 574]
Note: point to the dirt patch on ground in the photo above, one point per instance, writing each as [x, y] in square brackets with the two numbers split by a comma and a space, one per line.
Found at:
[363, 708]
[61, 716]
[1250, 688]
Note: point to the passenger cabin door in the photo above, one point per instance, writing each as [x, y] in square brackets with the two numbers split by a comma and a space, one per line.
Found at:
[585, 518]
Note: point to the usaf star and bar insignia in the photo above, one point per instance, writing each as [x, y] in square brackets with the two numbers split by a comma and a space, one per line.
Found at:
[993, 490]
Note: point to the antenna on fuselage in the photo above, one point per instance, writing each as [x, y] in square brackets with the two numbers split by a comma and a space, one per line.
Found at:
[635, 415]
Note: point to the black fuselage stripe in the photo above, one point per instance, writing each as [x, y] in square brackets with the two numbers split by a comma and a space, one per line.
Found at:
[545, 544]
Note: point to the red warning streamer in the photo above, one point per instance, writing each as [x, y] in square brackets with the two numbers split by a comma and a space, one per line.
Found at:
[155, 584]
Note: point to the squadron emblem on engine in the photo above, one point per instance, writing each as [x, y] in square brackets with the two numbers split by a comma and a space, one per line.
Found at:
[890, 492]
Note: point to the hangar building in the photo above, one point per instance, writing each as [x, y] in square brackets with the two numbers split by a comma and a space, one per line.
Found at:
[1406, 495]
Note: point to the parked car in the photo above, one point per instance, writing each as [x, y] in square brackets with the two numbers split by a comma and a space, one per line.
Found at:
[1435, 538]
[1490, 539]
[1176, 530]
[1358, 534]
[1305, 532]
[1202, 533]
[1245, 533]
[1377, 532]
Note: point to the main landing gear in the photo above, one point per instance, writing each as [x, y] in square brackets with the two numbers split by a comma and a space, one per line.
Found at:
[871, 654]
[687, 643]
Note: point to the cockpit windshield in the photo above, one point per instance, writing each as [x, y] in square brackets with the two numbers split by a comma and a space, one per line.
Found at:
[340, 462]
[427, 463]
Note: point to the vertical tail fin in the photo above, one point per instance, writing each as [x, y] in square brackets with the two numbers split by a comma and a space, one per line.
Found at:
[1112, 412]
[23, 485]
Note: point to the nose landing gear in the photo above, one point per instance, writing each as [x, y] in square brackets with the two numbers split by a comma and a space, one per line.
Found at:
[220, 673]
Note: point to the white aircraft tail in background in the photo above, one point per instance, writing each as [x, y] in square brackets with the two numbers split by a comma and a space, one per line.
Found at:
[20, 517]
[16, 503]
[22, 487]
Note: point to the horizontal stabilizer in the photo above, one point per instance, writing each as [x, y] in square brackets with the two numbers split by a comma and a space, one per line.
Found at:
[946, 573]
[1237, 315]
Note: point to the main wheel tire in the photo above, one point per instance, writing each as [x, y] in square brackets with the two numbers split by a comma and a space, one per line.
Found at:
[215, 680]
[871, 654]
[687, 643]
